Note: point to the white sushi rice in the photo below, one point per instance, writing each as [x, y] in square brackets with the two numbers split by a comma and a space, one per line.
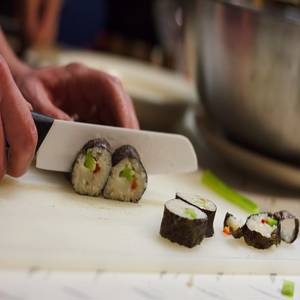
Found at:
[183, 209]
[198, 201]
[233, 223]
[255, 224]
[119, 188]
[287, 229]
[86, 181]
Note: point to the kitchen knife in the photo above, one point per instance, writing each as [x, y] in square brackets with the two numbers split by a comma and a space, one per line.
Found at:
[60, 141]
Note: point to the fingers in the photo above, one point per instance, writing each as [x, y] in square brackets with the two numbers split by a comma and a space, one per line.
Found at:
[34, 91]
[2, 152]
[49, 109]
[92, 95]
[56, 113]
[133, 120]
[19, 128]
[119, 103]
[123, 105]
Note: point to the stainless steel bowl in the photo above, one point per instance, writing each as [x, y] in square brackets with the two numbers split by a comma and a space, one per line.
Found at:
[249, 72]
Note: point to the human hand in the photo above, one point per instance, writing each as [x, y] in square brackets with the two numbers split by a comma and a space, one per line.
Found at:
[16, 127]
[79, 92]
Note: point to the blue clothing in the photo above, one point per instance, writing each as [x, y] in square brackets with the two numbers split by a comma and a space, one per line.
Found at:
[81, 21]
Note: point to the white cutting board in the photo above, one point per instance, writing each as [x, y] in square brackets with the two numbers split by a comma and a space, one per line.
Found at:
[43, 223]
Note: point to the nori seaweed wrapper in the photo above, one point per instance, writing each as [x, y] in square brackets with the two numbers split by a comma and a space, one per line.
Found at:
[125, 151]
[128, 151]
[257, 240]
[181, 230]
[238, 233]
[94, 143]
[98, 142]
[210, 222]
[282, 216]
[210, 214]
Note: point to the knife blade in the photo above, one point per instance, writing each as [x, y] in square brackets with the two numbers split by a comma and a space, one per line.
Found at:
[60, 141]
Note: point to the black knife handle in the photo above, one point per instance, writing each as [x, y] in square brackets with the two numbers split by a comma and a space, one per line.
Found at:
[43, 124]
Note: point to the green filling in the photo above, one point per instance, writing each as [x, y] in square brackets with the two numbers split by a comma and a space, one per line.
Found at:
[90, 161]
[191, 213]
[215, 184]
[272, 222]
[127, 173]
[202, 203]
[288, 288]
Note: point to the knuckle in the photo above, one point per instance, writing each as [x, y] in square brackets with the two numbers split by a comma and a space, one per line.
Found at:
[116, 80]
[75, 67]
[2, 62]
[3, 66]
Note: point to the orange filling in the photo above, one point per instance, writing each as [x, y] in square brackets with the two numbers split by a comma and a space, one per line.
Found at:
[134, 184]
[226, 230]
[97, 169]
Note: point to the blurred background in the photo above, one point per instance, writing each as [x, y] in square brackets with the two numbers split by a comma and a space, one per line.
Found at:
[140, 41]
[136, 28]
[241, 58]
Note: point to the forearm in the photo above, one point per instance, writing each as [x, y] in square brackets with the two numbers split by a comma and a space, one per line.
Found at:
[16, 66]
[47, 32]
[40, 21]
[52, 11]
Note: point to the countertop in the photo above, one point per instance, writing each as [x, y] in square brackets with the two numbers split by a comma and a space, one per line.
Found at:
[43, 284]
[40, 284]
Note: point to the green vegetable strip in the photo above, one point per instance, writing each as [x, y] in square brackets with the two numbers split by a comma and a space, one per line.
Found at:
[272, 222]
[90, 162]
[128, 173]
[191, 213]
[288, 288]
[215, 184]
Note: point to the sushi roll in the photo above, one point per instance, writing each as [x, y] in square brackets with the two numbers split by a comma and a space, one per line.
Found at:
[183, 223]
[91, 167]
[289, 226]
[128, 178]
[262, 230]
[205, 205]
[232, 226]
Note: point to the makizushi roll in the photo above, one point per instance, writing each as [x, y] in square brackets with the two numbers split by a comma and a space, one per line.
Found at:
[232, 226]
[128, 178]
[207, 206]
[91, 167]
[289, 226]
[183, 223]
[262, 230]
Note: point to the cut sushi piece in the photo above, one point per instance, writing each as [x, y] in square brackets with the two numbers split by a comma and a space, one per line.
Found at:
[183, 223]
[128, 178]
[205, 205]
[262, 230]
[289, 226]
[232, 226]
[92, 167]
